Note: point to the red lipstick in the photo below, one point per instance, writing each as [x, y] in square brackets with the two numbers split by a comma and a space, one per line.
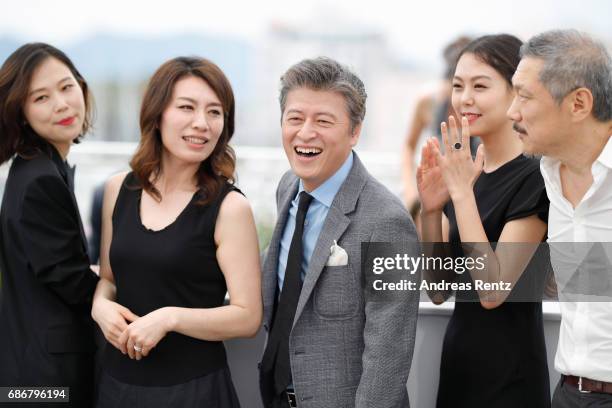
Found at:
[66, 122]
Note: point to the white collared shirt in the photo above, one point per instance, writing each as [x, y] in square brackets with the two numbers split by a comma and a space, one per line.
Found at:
[585, 336]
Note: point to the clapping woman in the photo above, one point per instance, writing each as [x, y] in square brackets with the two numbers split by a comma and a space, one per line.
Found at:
[493, 353]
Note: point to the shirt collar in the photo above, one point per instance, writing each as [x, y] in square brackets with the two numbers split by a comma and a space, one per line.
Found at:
[605, 157]
[326, 192]
[550, 166]
[61, 164]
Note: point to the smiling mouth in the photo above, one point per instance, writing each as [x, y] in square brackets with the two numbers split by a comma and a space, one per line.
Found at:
[307, 151]
[66, 122]
[471, 116]
[195, 140]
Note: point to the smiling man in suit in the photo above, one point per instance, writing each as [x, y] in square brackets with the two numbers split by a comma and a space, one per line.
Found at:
[331, 343]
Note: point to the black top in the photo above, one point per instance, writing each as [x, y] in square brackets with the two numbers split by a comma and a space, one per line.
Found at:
[175, 266]
[497, 358]
[46, 331]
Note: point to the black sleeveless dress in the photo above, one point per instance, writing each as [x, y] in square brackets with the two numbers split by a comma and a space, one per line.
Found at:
[175, 266]
[497, 358]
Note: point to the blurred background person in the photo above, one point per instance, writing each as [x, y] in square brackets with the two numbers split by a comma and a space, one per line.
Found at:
[176, 236]
[46, 336]
[494, 353]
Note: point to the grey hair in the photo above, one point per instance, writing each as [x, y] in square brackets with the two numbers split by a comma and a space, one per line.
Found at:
[574, 60]
[326, 74]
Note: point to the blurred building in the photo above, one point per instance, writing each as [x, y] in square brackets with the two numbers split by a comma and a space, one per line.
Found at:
[391, 83]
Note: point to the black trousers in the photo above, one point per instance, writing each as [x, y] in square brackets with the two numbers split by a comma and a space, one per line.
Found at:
[568, 396]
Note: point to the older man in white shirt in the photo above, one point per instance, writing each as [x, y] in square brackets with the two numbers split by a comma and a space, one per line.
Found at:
[563, 110]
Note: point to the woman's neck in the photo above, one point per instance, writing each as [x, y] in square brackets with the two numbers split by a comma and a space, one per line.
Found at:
[176, 176]
[500, 147]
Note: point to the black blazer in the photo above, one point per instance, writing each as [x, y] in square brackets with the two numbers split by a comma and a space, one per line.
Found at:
[46, 332]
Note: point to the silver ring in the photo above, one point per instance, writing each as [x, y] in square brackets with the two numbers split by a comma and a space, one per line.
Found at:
[457, 146]
[138, 349]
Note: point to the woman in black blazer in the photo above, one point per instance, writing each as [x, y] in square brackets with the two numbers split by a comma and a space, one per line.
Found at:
[46, 336]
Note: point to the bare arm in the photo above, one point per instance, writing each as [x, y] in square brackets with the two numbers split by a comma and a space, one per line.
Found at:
[508, 262]
[238, 257]
[112, 318]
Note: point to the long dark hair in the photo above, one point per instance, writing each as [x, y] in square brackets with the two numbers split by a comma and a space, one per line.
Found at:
[16, 136]
[500, 51]
[219, 167]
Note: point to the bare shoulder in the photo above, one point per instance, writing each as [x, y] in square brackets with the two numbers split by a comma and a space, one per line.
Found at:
[113, 185]
[234, 216]
[234, 205]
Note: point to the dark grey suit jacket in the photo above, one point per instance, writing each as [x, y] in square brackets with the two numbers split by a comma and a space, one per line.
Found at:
[346, 348]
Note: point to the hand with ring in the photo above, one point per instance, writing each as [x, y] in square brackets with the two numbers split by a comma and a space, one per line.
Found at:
[143, 334]
[458, 168]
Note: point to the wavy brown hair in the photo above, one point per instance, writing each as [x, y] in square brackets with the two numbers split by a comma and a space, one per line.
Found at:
[16, 136]
[219, 167]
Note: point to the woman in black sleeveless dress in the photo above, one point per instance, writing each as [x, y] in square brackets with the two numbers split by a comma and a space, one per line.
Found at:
[494, 353]
[176, 236]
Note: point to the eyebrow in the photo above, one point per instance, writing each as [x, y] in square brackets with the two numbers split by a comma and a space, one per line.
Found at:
[44, 88]
[196, 102]
[327, 114]
[476, 78]
[293, 111]
[316, 113]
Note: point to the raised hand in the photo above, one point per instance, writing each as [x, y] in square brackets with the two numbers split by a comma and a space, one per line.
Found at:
[458, 168]
[430, 183]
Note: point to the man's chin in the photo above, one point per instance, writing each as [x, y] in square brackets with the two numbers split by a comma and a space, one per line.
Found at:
[529, 151]
[301, 172]
[531, 155]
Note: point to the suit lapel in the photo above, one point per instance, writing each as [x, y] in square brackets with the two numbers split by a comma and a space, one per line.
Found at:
[67, 174]
[76, 207]
[335, 225]
[271, 263]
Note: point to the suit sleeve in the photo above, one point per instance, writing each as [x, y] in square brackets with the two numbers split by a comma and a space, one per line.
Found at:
[390, 325]
[53, 243]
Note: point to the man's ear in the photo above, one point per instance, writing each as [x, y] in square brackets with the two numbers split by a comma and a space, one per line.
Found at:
[355, 134]
[579, 104]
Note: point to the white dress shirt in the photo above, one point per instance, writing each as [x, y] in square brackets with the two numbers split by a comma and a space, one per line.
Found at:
[585, 336]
